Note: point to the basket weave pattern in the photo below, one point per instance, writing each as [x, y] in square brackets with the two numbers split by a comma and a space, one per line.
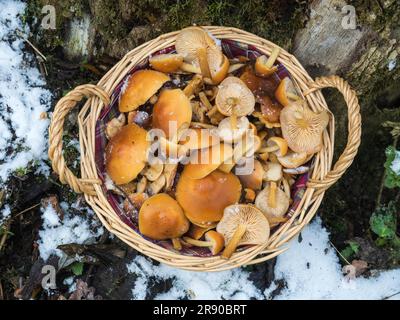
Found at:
[321, 175]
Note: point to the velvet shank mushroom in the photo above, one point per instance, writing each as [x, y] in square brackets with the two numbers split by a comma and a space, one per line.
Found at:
[229, 134]
[203, 200]
[168, 62]
[286, 92]
[140, 87]
[234, 99]
[253, 180]
[275, 213]
[126, 154]
[242, 224]
[265, 66]
[276, 145]
[172, 110]
[302, 128]
[213, 240]
[293, 159]
[161, 218]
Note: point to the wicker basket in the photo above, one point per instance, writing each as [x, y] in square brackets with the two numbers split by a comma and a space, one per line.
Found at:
[321, 175]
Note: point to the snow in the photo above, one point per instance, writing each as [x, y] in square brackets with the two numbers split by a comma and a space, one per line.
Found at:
[23, 98]
[395, 165]
[72, 229]
[5, 213]
[392, 64]
[310, 269]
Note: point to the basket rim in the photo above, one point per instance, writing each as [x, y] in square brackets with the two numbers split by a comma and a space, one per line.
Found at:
[307, 207]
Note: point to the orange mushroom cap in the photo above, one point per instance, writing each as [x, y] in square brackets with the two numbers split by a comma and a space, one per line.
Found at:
[126, 154]
[203, 200]
[161, 218]
[141, 86]
[172, 106]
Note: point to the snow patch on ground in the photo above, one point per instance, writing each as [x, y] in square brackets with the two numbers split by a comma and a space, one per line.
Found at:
[310, 268]
[23, 98]
[73, 228]
[395, 166]
[232, 284]
[5, 213]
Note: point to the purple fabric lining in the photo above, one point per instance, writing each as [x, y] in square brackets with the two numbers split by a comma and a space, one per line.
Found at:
[231, 49]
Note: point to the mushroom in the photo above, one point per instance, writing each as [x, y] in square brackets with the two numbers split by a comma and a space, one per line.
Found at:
[229, 134]
[161, 218]
[219, 65]
[302, 128]
[276, 145]
[293, 159]
[115, 125]
[265, 66]
[196, 232]
[203, 162]
[259, 86]
[141, 185]
[253, 180]
[272, 174]
[214, 241]
[136, 200]
[234, 99]
[140, 87]
[269, 110]
[190, 68]
[286, 92]
[249, 194]
[242, 224]
[172, 108]
[203, 200]
[168, 62]
[126, 154]
[272, 212]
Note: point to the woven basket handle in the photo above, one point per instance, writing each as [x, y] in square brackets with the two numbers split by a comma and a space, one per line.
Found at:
[65, 105]
[354, 130]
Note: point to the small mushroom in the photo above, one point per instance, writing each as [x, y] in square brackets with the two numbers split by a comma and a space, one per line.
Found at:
[168, 62]
[203, 200]
[265, 66]
[115, 125]
[214, 241]
[272, 212]
[242, 224]
[234, 99]
[272, 174]
[253, 180]
[293, 159]
[140, 87]
[204, 161]
[196, 232]
[190, 68]
[303, 128]
[141, 185]
[204, 100]
[235, 67]
[196, 138]
[249, 194]
[136, 200]
[286, 92]
[276, 145]
[172, 108]
[219, 65]
[229, 134]
[126, 154]
[298, 170]
[161, 218]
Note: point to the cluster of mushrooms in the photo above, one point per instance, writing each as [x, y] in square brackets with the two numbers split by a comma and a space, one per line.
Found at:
[230, 109]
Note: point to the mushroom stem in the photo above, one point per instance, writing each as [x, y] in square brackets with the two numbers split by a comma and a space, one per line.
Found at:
[204, 67]
[272, 58]
[269, 149]
[198, 243]
[233, 120]
[177, 244]
[204, 100]
[188, 67]
[286, 187]
[234, 242]
[293, 96]
[193, 85]
[272, 195]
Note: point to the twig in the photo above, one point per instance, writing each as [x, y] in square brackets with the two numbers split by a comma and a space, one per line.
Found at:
[339, 253]
[392, 295]
[1, 291]
[31, 44]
